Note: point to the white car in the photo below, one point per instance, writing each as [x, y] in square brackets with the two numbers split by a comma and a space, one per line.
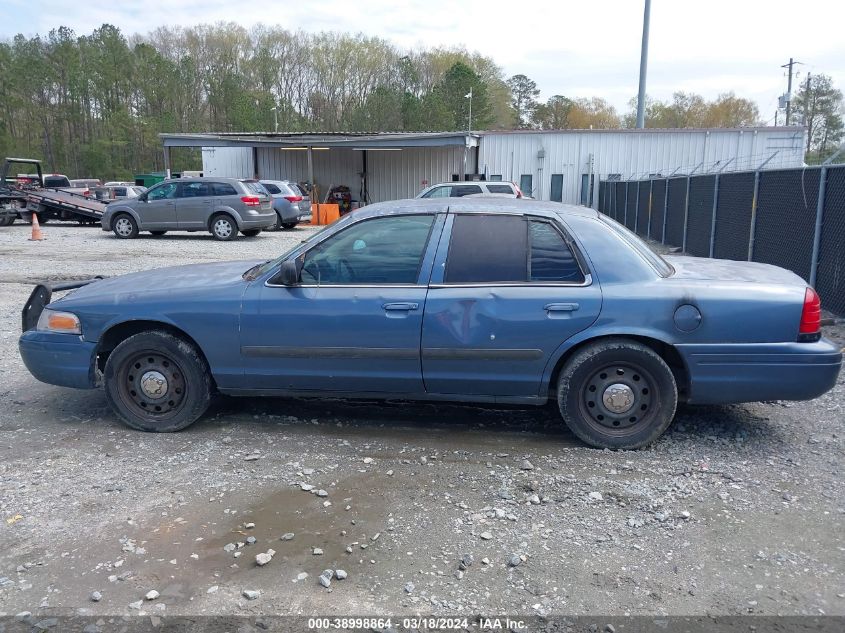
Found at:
[471, 188]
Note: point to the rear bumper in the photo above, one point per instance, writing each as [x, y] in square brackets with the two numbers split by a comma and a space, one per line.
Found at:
[724, 374]
[261, 220]
[59, 359]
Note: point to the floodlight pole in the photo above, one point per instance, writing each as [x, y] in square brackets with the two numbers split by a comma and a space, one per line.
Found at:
[643, 66]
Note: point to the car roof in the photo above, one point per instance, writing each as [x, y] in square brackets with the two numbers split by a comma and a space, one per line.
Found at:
[207, 179]
[466, 204]
[472, 182]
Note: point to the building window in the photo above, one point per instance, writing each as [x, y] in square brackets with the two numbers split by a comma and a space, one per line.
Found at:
[526, 184]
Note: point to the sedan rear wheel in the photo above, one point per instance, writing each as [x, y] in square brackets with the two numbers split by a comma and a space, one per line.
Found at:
[124, 226]
[157, 382]
[223, 227]
[617, 393]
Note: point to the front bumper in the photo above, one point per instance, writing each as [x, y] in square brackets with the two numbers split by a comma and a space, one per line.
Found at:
[65, 360]
[731, 373]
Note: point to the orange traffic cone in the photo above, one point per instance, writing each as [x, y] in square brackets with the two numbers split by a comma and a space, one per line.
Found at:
[37, 236]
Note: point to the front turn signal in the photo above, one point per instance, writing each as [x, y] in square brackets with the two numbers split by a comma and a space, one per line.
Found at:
[61, 322]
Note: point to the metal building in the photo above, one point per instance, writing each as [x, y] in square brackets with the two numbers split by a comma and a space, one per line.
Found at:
[548, 165]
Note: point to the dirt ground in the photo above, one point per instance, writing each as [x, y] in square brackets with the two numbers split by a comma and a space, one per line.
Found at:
[736, 510]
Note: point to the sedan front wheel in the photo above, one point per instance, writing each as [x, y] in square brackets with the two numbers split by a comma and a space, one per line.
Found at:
[618, 394]
[157, 382]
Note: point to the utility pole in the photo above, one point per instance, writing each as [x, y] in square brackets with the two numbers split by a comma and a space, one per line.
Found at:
[643, 66]
[791, 63]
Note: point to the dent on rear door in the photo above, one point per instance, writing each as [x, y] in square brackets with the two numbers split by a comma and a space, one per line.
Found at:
[496, 339]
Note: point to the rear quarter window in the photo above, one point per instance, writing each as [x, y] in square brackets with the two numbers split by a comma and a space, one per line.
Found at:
[272, 188]
[222, 189]
[254, 187]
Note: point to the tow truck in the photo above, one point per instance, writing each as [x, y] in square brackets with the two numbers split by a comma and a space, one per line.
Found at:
[20, 198]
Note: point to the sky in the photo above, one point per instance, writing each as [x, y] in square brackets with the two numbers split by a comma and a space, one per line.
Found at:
[575, 49]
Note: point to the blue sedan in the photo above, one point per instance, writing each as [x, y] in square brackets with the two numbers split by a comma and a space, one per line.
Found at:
[463, 300]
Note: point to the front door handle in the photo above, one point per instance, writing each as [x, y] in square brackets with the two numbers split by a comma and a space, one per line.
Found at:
[561, 307]
[400, 307]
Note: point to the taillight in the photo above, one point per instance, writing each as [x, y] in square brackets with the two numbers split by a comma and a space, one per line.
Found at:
[251, 201]
[86, 193]
[293, 198]
[811, 317]
[518, 191]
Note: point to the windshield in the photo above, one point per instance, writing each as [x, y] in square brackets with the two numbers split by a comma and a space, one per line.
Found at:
[257, 271]
[656, 261]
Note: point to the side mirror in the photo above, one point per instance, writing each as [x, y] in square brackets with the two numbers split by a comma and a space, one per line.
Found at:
[288, 273]
[142, 197]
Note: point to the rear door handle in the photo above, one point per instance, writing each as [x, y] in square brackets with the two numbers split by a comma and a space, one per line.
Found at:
[561, 307]
[401, 307]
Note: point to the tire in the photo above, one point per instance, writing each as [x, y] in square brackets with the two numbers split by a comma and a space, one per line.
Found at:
[161, 357]
[646, 386]
[124, 226]
[158, 233]
[251, 232]
[7, 220]
[223, 227]
[289, 225]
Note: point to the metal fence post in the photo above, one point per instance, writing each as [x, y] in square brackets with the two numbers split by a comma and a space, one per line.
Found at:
[650, 202]
[686, 216]
[625, 208]
[665, 212]
[753, 215]
[713, 219]
[817, 235]
[637, 207]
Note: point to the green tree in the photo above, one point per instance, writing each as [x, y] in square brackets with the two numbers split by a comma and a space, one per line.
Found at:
[524, 93]
[822, 107]
[554, 114]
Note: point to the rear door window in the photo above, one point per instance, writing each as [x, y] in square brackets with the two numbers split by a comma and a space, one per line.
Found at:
[508, 249]
[500, 189]
[486, 249]
[194, 190]
[459, 191]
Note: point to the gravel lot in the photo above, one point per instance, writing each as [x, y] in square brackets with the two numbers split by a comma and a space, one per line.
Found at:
[737, 510]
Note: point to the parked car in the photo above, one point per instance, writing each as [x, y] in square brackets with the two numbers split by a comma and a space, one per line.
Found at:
[461, 189]
[110, 192]
[291, 205]
[222, 206]
[472, 300]
[85, 182]
[63, 183]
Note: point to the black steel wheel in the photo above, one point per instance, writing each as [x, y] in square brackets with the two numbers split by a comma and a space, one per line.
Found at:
[617, 393]
[157, 382]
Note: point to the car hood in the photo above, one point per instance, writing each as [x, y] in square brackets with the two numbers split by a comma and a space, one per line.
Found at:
[176, 282]
[730, 270]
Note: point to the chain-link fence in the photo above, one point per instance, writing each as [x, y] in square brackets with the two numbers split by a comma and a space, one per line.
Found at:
[793, 218]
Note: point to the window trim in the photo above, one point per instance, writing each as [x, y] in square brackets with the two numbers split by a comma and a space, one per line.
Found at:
[417, 284]
[573, 246]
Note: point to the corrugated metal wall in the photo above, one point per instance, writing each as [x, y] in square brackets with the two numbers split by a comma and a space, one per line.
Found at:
[397, 175]
[336, 166]
[632, 154]
[392, 174]
[229, 162]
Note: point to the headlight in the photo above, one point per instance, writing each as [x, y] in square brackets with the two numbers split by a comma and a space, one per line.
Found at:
[61, 322]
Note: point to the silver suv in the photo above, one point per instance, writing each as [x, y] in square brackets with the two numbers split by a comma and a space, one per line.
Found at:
[472, 188]
[222, 206]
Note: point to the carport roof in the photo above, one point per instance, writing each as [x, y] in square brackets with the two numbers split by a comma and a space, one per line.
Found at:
[361, 140]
